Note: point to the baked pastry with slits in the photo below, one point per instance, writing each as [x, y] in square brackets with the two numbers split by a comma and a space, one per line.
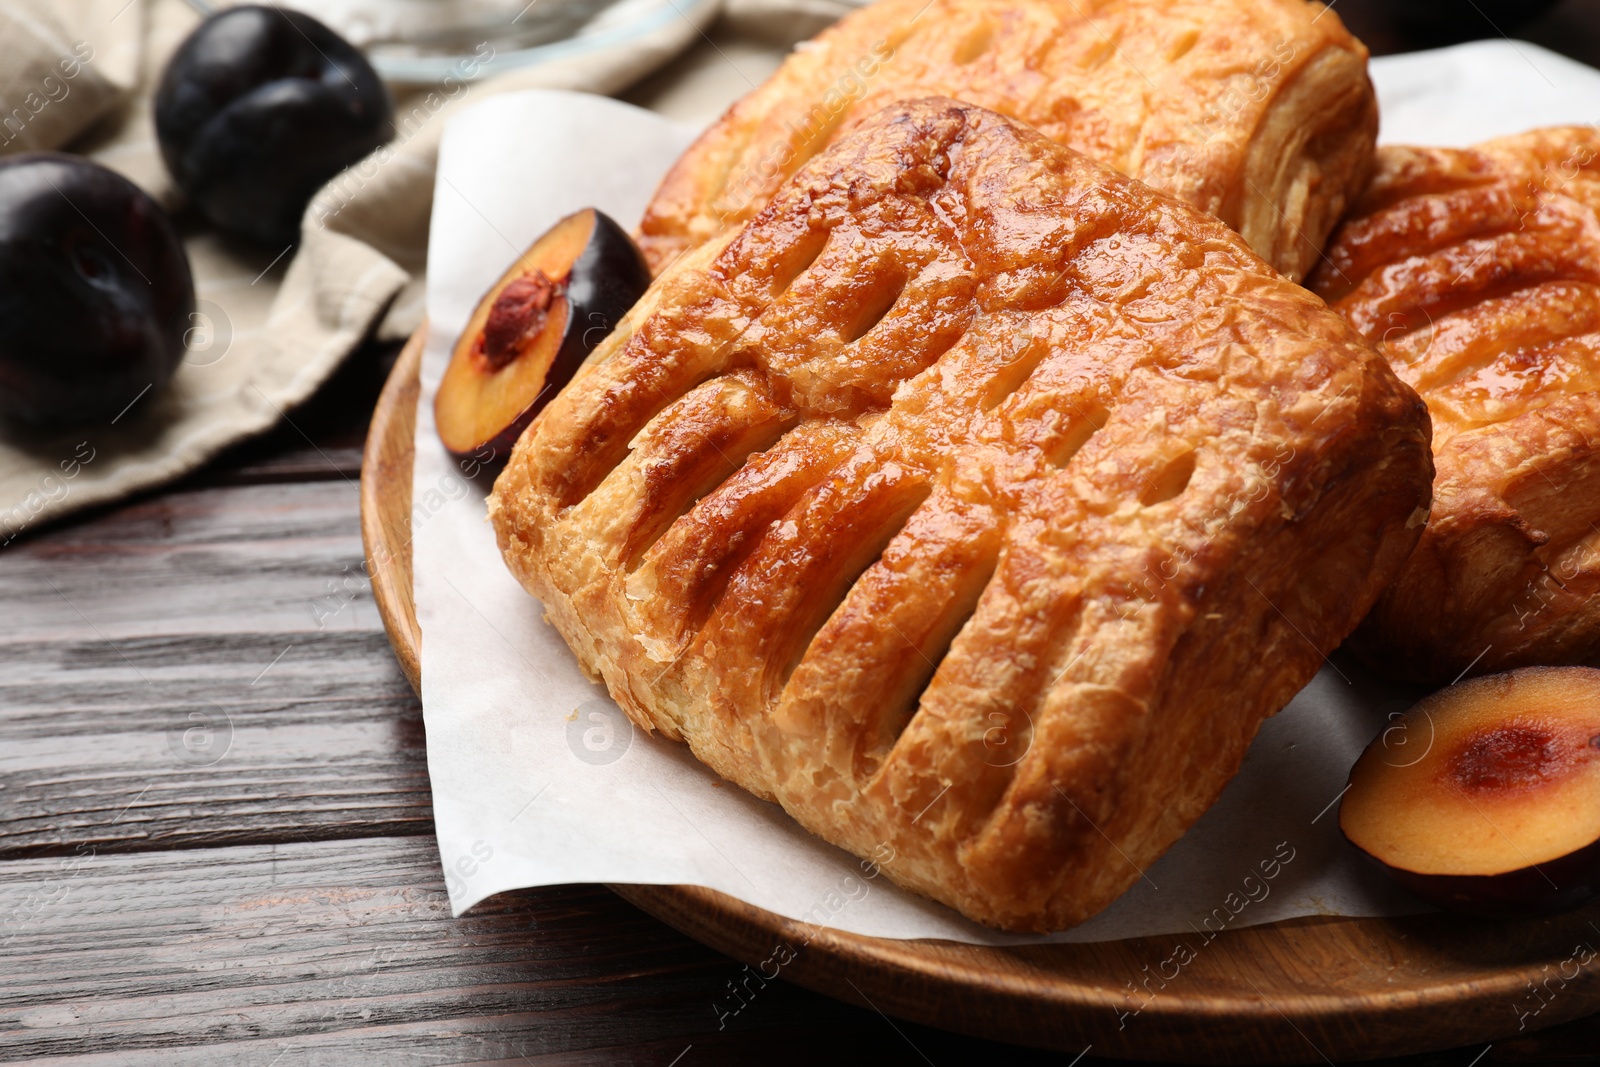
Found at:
[1477, 272]
[975, 503]
[1256, 111]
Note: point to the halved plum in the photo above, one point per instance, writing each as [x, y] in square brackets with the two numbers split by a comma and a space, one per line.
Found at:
[532, 331]
[1500, 812]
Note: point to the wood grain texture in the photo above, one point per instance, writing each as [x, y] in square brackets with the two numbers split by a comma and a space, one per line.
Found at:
[344, 952]
[1303, 991]
[198, 562]
[340, 952]
[202, 667]
[386, 520]
[328, 743]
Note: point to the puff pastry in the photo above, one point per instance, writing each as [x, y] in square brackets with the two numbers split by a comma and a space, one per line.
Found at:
[975, 503]
[1477, 272]
[1259, 112]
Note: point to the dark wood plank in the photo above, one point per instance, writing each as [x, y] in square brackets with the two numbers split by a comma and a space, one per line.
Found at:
[1374, 22]
[251, 559]
[339, 951]
[1572, 27]
[327, 743]
[199, 667]
[345, 951]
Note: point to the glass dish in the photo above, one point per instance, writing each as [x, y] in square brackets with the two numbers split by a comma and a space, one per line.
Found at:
[427, 41]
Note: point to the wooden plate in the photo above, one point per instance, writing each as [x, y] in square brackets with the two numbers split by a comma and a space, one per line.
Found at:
[1302, 991]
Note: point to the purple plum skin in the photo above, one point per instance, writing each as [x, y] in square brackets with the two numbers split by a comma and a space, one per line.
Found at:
[258, 109]
[95, 292]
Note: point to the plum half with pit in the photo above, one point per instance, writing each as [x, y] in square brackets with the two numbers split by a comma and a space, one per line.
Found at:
[258, 109]
[532, 331]
[95, 292]
[1485, 797]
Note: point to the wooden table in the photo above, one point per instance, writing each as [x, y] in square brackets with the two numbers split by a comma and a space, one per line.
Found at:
[215, 834]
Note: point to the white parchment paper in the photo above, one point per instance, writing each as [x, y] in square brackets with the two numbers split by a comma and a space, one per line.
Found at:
[538, 779]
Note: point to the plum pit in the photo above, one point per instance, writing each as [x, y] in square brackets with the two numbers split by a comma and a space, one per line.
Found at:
[531, 332]
[519, 311]
[1512, 756]
[1502, 815]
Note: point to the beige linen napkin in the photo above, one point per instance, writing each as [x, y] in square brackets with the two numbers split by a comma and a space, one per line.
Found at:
[273, 324]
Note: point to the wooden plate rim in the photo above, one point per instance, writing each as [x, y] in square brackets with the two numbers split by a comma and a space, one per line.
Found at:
[990, 992]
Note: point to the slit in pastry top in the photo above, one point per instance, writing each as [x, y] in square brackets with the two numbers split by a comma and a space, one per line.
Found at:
[973, 502]
[1476, 271]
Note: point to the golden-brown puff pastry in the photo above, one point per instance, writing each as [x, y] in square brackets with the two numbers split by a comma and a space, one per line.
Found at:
[1477, 272]
[975, 503]
[1256, 111]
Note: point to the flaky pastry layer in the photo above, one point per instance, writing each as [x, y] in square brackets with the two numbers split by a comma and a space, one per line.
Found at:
[1259, 112]
[975, 503]
[1477, 272]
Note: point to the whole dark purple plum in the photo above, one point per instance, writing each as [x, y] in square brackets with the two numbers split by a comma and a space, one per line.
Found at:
[257, 109]
[95, 291]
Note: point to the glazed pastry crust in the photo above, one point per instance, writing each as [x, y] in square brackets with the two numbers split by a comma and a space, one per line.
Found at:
[1477, 272]
[975, 503]
[1259, 112]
